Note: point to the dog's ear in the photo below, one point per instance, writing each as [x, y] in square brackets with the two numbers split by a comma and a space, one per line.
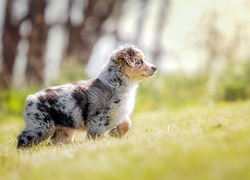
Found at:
[126, 56]
[127, 61]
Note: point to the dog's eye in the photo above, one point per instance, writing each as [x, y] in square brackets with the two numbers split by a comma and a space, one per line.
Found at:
[139, 63]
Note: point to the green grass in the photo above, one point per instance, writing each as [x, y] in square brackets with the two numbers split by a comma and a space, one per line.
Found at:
[179, 132]
[197, 142]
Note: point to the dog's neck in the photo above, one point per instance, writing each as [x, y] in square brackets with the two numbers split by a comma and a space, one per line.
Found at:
[112, 75]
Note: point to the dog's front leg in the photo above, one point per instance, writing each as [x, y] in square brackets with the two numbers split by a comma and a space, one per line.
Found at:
[95, 130]
[93, 135]
[121, 129]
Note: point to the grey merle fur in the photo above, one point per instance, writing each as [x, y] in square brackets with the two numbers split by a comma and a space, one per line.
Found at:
[96, 105]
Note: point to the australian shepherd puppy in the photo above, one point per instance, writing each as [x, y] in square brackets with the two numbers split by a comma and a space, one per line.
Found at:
[98, 105]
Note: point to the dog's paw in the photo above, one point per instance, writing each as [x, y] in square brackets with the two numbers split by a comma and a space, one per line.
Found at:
[114, 133]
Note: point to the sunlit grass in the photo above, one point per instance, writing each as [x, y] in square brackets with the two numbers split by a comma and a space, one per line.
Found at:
[190, 143]
[176, 134]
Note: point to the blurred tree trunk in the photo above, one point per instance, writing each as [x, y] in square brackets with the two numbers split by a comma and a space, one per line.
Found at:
[37, 41]
[213, 38]
[74, 33]
[82, 38]
[142, 17]
[11, 38]
[162, 20]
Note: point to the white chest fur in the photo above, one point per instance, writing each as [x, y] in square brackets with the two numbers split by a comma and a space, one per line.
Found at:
[126, 107]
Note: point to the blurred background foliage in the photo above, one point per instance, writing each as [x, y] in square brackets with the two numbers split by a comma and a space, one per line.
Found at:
[201, 48]
[161, 92]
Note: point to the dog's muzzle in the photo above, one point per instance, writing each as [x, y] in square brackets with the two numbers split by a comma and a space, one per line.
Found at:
[151, 71]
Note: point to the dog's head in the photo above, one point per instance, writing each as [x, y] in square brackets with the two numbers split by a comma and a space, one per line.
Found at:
[133, 61]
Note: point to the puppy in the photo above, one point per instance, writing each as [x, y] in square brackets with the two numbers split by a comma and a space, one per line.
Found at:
[98, 105]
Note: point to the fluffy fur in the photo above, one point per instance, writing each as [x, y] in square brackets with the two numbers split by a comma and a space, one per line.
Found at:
[98, 105]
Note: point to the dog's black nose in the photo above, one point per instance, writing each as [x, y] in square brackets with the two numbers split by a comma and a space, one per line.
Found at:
[153, 68]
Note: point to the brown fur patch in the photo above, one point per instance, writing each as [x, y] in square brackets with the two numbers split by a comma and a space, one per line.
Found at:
[140, 72]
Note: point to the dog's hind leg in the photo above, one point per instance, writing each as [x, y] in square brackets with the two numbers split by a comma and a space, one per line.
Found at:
[121, 129]
[36, 130]
[63, 135]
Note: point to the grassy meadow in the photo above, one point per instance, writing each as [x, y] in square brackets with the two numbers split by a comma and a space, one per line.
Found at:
[178, 132]
[191, 143]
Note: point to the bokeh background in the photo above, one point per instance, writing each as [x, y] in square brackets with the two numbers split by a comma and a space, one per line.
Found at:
[201, 47]
[191, 120]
